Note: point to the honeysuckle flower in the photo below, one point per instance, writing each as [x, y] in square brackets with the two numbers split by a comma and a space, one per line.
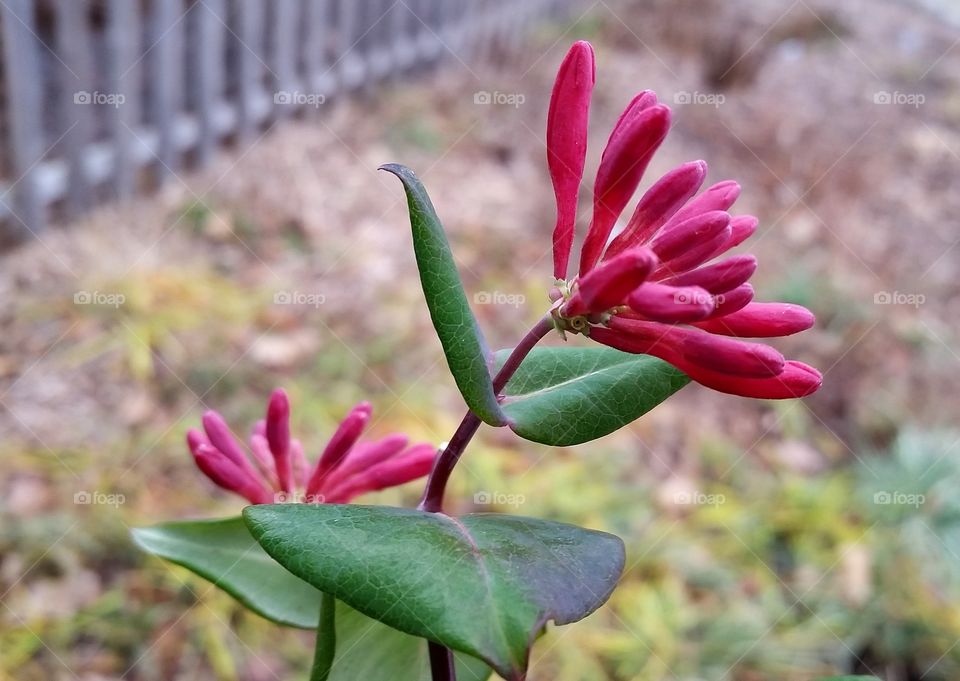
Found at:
[657, 287]
[279, 470]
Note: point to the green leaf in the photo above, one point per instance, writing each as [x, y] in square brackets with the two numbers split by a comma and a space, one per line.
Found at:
[372, 651]
[224, 552]
[568, 395]
[483, 584]
[849, 678]
[466, 351]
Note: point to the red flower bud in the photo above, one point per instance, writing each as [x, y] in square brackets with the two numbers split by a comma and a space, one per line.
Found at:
[365, 455]
[224, 472]
[346, 435]
[720, 277]
[609, 284]
[263, 458]
[658, 205]
[567, 144]
[720, 196]
[412, 464]
[218, 432]
[631, 146]
[762, 320]
[671, 304]
[278, 437]
[742, 228]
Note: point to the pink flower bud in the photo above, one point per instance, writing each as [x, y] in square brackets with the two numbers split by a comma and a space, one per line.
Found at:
[671, 304]
[720, 277]
[696, 254]
[796, 380]
[742, 228]
[278, 437]
[412, 464]
[610, 283]
[567, 144]
[343, 439]
[677, 240]
[720, 196]
[218, 432]
[301, 469]
[632, 144]
[731, 301]
[691, 346]
[263, 458]
[762, 320]
[640, 102]
[365, 455]
[658, 205]
[225, 473]
[729, 356]
[195, 438]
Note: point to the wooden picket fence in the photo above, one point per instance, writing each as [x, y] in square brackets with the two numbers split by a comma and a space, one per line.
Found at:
[104, 99]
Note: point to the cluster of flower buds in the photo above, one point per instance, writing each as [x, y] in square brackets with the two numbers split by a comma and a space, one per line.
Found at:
[653, 289]
[279, 470]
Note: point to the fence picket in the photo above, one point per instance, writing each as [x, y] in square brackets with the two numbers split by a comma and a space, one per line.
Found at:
[319, 76]
[122, 100]
[351, 67]
[251, 106]
[75, 84]
[192, 72]
[283, 57]
[22, 59]
[164, 65]
[210, 16]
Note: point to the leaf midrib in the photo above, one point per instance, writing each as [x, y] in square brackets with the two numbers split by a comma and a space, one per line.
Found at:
[487, 577]
[510, 399]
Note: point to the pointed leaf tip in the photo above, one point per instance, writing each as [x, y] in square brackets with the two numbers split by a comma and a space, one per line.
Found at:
[463, 344]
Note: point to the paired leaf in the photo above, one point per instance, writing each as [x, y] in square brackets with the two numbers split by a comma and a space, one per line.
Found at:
[372, 651]
[483, 584]
[568, 395]
[463, 344]
[224, 552]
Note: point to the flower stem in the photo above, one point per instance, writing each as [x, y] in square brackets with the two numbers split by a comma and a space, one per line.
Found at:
[437, 482]
[442, 666]
[441, 658]
[326, 639]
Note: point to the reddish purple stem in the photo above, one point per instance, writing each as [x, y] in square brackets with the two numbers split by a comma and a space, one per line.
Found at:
[437, 482]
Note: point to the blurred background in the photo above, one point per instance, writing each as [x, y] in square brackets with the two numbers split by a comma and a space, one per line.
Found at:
[192, 216]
